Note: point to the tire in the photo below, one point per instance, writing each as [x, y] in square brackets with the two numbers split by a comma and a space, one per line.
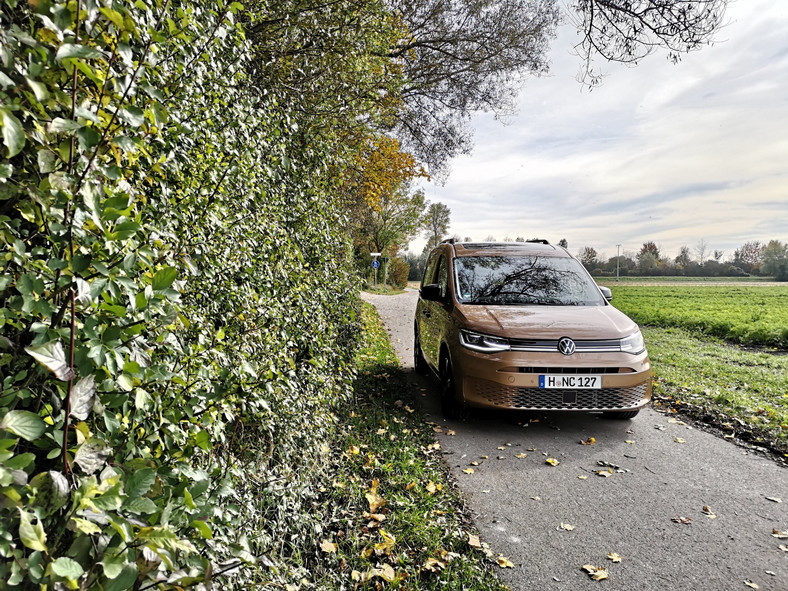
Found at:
[419, 363]
[621, 416]
[451, 408]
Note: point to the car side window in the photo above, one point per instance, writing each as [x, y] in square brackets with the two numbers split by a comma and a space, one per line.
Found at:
[429, 271]
[443, 277]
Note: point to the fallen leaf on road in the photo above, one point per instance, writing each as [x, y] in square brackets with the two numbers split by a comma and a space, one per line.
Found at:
[484, 457]
[783, 547]
[521, 456]
[708, 512]
[751, 584]
[780, 535]
[774, 499]
[680, 440]
[501, 447]
[682, 520]
[605, 473]
[595, 572]
[614, 557]
[583, 477]
[552, 461]
[451, 432]
[660, 427]
[475, 463]
[629, 441]
[589, 441]
[566, 527]
[504, 562]
[469, 470]
[501, 458]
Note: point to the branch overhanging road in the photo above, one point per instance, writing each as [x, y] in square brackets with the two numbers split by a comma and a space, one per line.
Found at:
[684, 509]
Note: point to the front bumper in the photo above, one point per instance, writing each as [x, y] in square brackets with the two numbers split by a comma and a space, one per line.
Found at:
[510, 380]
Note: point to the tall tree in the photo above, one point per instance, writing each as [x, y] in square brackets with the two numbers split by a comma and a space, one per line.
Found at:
[775, 260]
[436, 224]
[588, 256]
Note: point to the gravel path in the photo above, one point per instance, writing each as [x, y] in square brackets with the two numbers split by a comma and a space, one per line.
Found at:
[683, 509]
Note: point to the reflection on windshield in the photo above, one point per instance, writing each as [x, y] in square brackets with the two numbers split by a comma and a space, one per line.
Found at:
[524, 280]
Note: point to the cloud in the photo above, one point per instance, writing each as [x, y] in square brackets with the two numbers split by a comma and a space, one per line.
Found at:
[663, 152]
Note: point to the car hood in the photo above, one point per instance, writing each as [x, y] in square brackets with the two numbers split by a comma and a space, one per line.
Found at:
[548, 322]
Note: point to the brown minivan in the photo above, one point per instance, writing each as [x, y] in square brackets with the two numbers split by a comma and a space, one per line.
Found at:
[522, 325]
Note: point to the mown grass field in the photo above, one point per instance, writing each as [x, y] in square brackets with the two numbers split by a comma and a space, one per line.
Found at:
[718, 353]
[745, 314]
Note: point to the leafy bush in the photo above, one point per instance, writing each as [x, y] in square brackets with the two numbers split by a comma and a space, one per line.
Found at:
[398, 273]
[177, 325]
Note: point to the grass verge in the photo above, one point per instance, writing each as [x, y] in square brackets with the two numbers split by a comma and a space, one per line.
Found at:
[742, 392]
[399, 522]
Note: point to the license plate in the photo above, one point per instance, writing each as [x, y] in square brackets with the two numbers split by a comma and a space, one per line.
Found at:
[573, 382]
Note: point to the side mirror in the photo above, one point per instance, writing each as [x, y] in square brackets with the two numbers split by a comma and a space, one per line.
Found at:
[431, 293]
[606, 292]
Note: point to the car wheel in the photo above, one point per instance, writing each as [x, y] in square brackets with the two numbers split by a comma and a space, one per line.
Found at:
[623, 415]
[451, 409]
[419, 363]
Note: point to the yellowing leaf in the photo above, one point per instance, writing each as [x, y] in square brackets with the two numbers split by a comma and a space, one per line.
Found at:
[680, 440]
[451, 433]
[469, 471]
[521, 456]
[552, 461]
[614, 557]
[566, 527]
[629, 441]
[605, 473]
[595, 572]
[328, 546]
[388, 543]
[504, 562]
[433, 565]
[589, 441]
[751, 585]
[583, 477]
[474, 541]
[353, 450]
[708, 512]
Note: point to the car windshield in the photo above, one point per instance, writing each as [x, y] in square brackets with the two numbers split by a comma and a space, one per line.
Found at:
[524, 280]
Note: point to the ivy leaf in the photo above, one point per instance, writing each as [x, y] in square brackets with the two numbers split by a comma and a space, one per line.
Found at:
[92, 455]
[67, 567]
[13, 134]
[32, 534]
[164, 278]
[82, 397]
[53, 357]
[23, 423]
[74, 50]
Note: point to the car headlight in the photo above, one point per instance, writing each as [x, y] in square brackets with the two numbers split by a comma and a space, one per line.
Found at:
[633, 344]
[482, 343]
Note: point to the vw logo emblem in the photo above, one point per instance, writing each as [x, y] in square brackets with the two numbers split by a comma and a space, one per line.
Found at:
[566, 346]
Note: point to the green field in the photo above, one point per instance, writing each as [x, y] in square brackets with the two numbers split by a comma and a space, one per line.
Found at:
[746, 314]
[719, 354]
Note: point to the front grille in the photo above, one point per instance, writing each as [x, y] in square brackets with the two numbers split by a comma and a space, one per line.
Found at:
[572, 370]
[543, 399]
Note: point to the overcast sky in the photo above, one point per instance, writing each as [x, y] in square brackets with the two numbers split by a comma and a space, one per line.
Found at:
[670, 153]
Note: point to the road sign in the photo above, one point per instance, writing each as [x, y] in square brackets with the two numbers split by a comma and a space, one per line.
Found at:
[376, 264]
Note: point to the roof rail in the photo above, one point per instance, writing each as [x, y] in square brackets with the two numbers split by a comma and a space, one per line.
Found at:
[448, 241]
[538, 241]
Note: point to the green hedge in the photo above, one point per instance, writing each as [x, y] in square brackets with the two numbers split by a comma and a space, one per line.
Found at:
[170, 227]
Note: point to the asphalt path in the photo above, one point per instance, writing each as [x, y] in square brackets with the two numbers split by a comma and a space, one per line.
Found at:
[682, 508]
